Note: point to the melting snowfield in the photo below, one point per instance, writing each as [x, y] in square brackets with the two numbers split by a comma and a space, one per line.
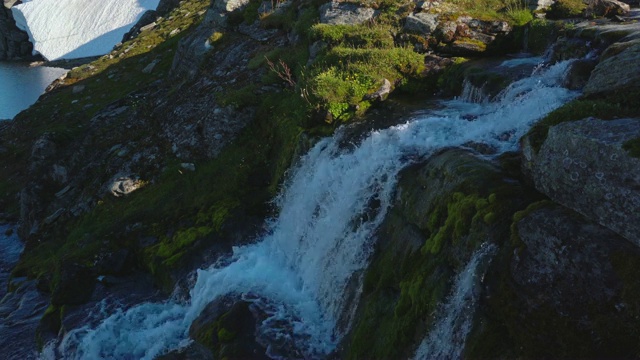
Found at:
[71, 29]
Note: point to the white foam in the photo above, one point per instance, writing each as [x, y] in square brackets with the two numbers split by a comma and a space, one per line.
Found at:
[69, 29]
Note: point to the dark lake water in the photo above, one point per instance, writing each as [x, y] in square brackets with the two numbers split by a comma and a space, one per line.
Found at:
[21, 85]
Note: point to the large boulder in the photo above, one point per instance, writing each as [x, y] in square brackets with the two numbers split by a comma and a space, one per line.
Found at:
[607, 8]
[570, 292]
[421, 23]
[337, 13]
[618, 70]
[583, 165]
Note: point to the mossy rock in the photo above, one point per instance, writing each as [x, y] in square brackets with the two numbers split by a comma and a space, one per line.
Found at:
[562, 9]
[227, 327]
[447, 207]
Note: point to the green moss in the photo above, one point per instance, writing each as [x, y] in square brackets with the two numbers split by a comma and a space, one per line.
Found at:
[281, 19]
[562, 9]
[520, 17]
[633, 147]
[215, 37]
[461, 211]
[403, 287]
[240, 98]
[358, 36]
[450, 82]
[225, 335]
[477, 44]
[542, 33]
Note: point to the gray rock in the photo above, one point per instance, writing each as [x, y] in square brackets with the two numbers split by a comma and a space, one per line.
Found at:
[421, 23]
[193, 48]
[428, 4]
[149, 68]
[618, 70]
[582, 165]
[578, 74]
[146, 22]
[122, 186]
[225, 6]
[75, 286]
[572, 256]
[53, 217]
[77, 89]
[609, 8]
[188, 166]
[446, 31]
[336, 13]
[540, 4]
[382, 93]
[43, 148]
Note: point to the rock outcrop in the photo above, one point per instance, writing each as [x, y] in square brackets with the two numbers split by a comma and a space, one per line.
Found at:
[583, 165]
[14, 43]
[194, 47]
[337, 13]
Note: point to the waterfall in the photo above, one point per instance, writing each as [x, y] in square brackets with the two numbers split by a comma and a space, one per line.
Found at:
[473, 94]
[329, 209]
[446, 339]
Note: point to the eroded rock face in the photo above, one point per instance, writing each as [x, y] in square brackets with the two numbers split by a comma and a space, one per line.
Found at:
[583, 166]
[618, 70]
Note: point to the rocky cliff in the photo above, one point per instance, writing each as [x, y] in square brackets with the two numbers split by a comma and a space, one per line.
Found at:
[163, 154]
[14, 43]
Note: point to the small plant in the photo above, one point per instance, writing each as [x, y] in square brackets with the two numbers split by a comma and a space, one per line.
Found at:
[282, 70]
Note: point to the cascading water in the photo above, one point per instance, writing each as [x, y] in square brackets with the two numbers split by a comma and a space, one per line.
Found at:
[446, 339]
[329, 208]
[21, 309]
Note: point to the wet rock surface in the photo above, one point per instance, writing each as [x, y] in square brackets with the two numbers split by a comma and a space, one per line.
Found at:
[228, 327]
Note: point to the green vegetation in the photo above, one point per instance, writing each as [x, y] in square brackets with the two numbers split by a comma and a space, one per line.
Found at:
[633, 147]
[562, 9]
[542, 33]
[515, 12]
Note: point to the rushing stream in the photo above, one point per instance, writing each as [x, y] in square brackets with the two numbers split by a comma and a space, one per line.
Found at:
[329, 208]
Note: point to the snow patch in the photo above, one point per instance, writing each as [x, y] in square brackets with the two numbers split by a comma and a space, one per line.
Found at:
[71, 29]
